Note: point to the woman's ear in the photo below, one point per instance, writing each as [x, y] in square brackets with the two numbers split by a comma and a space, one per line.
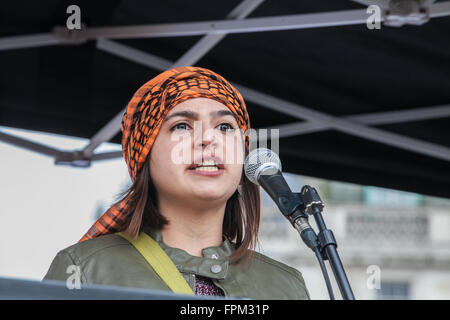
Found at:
[239, 189]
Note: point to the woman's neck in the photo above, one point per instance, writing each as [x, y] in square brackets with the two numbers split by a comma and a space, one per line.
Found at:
[192, 228]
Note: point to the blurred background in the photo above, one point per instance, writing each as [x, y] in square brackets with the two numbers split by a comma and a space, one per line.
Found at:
[46, 208]
[363, 115]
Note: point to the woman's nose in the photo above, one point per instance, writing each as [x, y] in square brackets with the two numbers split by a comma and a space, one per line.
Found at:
[204, 136]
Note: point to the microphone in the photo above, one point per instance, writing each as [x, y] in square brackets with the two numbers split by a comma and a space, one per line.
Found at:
[263, 167]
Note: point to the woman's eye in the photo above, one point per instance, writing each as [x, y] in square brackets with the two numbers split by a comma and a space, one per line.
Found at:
[180, 126]
[225, 127]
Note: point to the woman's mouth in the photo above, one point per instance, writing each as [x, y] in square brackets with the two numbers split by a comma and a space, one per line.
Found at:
[209, 172]
[207, 168]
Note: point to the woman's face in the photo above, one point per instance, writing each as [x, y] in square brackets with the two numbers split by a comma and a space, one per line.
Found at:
[193, 132]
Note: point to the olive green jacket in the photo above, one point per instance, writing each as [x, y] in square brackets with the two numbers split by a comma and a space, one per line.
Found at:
[112, 260]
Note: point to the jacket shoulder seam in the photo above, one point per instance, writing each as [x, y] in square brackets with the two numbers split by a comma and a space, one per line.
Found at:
[75, 261]
[85, 258]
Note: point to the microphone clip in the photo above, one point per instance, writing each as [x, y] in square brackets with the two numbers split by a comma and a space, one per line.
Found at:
[311, 200]
[294, 205]
[289, 202]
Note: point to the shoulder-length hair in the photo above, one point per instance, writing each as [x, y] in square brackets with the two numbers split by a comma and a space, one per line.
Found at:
[240, 223]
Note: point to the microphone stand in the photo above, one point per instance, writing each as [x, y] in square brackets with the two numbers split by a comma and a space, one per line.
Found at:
[328, 246]
[296, 207]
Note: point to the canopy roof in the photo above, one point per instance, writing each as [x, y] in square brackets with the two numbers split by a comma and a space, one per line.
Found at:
[357, 105]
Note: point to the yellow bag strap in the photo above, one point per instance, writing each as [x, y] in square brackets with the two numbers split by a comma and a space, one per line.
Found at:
[160, 262]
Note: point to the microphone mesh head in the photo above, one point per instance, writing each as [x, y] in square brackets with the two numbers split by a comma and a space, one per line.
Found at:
[261, 160]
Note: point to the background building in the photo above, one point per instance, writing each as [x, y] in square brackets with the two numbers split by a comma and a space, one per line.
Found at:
[394, 245]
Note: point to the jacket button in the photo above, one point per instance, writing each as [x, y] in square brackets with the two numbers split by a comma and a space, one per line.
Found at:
[215, 268]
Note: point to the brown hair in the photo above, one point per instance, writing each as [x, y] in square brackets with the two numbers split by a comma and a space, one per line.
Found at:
[240, 223]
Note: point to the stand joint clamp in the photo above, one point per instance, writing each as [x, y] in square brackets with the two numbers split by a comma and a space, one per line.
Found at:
[326, 237]
[311, 200]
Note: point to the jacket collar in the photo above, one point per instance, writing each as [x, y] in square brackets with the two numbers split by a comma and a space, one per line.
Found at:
[214, 263]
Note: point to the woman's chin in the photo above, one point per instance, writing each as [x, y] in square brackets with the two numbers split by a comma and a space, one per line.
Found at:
[206, 194]
[209, 196]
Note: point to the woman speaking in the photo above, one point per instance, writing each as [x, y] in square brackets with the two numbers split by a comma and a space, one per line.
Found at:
[189, 221]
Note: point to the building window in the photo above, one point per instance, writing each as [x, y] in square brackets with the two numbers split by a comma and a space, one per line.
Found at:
[381, 197]
[387, 228]
[394, 291]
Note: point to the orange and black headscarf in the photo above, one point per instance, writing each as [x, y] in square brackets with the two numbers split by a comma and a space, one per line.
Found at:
[145, 114]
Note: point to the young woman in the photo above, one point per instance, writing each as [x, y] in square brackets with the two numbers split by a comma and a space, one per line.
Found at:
[184, 143]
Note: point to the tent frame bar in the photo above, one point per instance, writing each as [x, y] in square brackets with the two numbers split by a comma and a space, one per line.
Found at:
[320, 120]
[60, 35]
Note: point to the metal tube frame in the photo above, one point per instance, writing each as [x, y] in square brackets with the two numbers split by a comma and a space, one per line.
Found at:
[236, 22]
